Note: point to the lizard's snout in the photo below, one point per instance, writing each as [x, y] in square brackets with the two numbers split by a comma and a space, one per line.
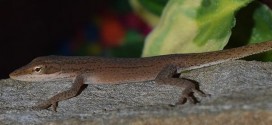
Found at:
[13, 74]
[18, 75]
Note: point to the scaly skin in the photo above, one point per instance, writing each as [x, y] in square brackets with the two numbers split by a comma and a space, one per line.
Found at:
[99, 70]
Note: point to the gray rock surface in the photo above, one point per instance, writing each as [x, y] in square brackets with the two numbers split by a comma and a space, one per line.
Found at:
[241, 92]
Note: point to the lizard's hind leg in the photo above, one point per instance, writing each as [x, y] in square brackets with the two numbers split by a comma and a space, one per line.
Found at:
[167, 76]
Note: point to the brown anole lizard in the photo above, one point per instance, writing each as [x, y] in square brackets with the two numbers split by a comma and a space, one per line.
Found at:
[98, 70]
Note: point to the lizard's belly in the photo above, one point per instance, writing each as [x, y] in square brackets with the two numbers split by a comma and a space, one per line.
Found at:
[119, 77]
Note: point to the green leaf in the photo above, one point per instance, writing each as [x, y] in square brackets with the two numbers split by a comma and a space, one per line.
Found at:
[190, 26]
[154, 6]
[254, 25]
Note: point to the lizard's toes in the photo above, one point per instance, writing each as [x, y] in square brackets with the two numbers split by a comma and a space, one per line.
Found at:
[188, 95]
[46, 105]
[181, 101]
[201, 93]
[42, 106]
[54, 106]
[185, 98]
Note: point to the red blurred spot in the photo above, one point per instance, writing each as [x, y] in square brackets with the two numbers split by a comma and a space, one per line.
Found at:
[112, 32]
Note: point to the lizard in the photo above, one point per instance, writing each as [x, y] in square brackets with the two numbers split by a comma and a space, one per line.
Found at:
[162, 69]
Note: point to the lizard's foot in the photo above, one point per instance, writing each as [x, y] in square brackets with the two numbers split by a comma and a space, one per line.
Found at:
[46, 105]
[76, 88]
[188, 94]
[169, 75]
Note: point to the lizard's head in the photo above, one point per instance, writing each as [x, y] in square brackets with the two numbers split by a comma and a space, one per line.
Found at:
[39, 69]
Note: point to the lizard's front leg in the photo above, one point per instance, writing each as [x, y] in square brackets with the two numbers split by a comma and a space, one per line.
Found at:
[72, 92]
[167, 76]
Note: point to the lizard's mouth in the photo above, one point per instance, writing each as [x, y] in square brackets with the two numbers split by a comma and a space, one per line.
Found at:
[18, 74]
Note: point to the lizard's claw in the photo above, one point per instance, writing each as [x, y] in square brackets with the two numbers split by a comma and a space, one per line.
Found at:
[54, 106]
[188, 94]
[46, 105]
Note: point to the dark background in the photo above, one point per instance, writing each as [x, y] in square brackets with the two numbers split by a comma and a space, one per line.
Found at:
[31, 28]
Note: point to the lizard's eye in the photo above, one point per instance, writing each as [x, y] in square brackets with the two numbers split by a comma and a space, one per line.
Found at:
[37, 69]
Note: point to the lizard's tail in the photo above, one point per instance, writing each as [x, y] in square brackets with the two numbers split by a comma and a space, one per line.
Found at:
[212, 58]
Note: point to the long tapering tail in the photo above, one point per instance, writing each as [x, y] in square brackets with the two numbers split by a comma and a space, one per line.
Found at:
[198, 60]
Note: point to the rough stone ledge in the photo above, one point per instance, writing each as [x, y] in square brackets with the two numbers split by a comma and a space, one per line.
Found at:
[240, 91]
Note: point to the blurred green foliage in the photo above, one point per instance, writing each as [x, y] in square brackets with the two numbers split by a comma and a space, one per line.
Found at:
[154, 6]
[188, 26]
